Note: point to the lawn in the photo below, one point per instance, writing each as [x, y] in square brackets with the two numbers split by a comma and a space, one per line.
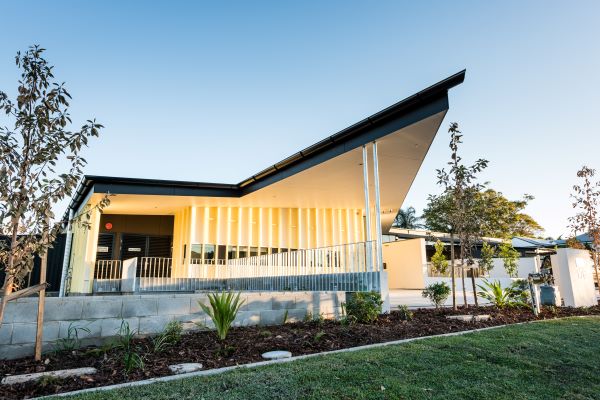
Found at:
[546, 360]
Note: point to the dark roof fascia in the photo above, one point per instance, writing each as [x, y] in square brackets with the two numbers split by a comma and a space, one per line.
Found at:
[421, 105]
[117, 185]
[120, 185]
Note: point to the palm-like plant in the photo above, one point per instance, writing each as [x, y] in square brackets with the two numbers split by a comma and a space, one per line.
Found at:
[407, 219]
[499, 296]
[222, 310]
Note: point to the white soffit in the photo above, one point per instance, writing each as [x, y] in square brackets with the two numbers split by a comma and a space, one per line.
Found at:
[336, 183]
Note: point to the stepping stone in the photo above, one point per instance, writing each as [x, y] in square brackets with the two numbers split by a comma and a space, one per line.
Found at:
[61, 374]
[470, 318]
[276, 355]
[464, 318]
[185, 368]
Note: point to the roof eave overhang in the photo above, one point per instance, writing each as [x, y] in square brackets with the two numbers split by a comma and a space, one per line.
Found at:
[421, 105]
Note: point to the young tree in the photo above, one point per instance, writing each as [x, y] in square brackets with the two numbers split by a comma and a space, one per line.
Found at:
[586, 200]
[510, 258]
[407, 219]
[438, 215]
[32, 179]
[486, 260]
[460, 184]
[438, 259]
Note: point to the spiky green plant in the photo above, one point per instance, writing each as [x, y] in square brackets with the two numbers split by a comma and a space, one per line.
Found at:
[222, 309]
[499, 296]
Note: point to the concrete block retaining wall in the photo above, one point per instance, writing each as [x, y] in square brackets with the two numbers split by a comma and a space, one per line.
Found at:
[148, 314]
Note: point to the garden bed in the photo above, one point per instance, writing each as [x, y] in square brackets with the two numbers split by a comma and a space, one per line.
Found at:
[246, 344]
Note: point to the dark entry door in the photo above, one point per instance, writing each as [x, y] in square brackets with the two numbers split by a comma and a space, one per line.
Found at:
[160, 246]
[145, 246]
[133, 246]
[157, 249]
[104, 250]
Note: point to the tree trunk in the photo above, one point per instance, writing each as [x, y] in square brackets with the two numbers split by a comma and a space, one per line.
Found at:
[474, 288]
[462, 275]
[453, 271]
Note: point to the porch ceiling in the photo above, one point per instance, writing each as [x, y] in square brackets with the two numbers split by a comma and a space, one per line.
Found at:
[335, 183]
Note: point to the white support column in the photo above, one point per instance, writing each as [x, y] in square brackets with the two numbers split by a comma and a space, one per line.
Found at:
[367, 204]
[378, 238]
[383, 285]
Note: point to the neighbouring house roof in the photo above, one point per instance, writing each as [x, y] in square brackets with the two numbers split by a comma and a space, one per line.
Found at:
[426, 234]
[583, 238]
[418, 107]
[517, 242]
[533, 243]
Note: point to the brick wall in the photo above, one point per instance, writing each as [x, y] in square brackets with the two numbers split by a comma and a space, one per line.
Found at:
[148, 314]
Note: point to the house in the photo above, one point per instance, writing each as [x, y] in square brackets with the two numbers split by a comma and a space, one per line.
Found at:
[407, 255]
[313, 221]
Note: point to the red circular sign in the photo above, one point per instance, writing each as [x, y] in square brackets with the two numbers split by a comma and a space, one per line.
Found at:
[108, 226]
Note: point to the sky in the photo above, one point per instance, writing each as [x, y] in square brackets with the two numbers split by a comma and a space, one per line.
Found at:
[217, 91]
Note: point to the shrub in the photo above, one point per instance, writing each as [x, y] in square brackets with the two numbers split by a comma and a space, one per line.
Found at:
[437, 293]
[363, 307]
[499, 296]
[169, 336]
[438, 260]
[308, 317]
[72, 341]
[318, 336]
[131, 357]
[405, 313]
[520, 291]
[222, 309]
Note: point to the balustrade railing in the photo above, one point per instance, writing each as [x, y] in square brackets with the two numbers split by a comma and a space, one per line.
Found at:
[348, 267]
[107, 276]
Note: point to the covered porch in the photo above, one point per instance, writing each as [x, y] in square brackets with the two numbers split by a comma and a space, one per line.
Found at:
[313, 221]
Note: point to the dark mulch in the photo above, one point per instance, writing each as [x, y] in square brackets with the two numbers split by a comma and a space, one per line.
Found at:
[246, 344]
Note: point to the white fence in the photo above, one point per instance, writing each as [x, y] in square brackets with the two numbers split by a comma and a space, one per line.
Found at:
[348, 267]
[107, 276]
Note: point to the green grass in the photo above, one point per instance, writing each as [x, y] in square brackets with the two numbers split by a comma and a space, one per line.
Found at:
[549, 360]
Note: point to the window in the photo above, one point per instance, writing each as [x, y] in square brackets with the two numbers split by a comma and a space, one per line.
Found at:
[253, 251]
[231, 252]
[196, 252]
[264, 251]
[221, 251]
[209, 253]
[274, 250]
[243, 252]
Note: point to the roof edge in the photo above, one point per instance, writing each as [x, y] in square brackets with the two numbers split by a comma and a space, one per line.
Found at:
[235, 190]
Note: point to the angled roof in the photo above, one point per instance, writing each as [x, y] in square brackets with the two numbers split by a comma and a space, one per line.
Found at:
[412, 109]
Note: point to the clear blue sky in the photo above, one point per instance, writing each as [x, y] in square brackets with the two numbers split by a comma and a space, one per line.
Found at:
[237, 86]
